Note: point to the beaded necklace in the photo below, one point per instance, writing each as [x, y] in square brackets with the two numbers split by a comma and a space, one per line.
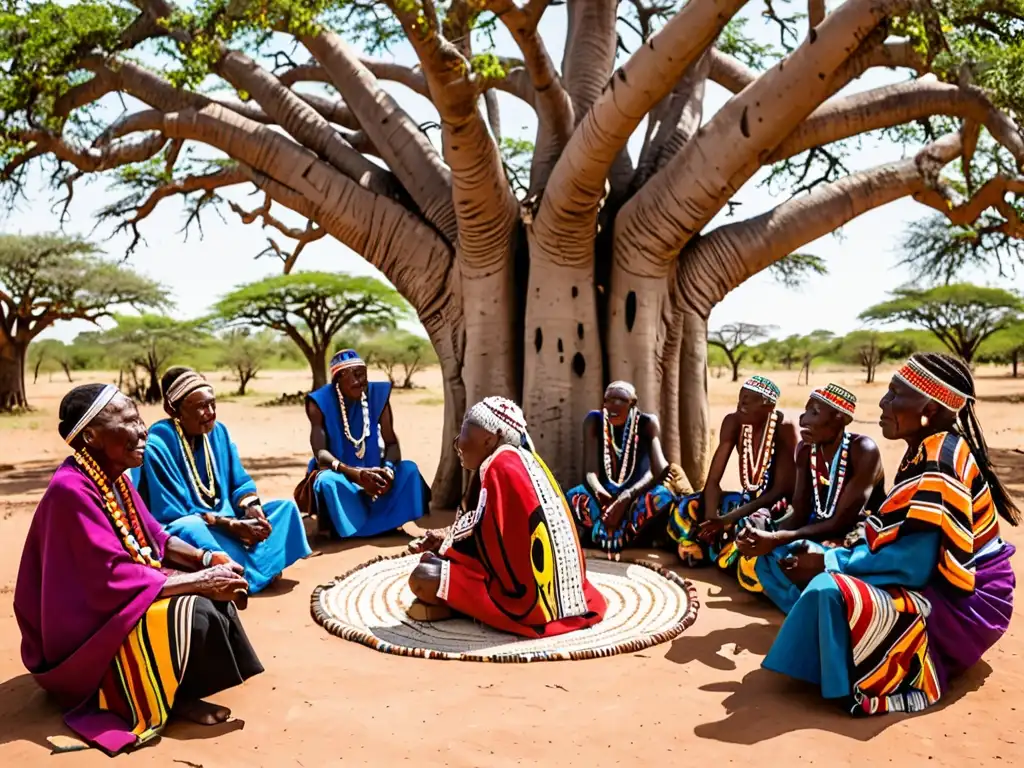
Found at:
[207, 493]
[358, 443]
[764, 458]
[910, 459]
[624, 456]
[834, 480]
[132, 534]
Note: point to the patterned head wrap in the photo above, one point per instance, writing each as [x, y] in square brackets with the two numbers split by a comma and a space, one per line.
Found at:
[622, 386]
[346, 358]
[766, 388]
[103, 397]
[920, 378]
[188, 381]
[503, 418]
[841, 399]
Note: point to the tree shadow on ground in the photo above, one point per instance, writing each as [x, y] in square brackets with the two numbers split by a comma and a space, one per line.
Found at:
[765, 705]
[755, 638]
[29, 477]
[1009, 464]
[277, 466]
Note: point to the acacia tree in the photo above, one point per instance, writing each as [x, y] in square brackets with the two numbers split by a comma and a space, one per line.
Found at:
[46, 353]
[601, 268]
[735, 339]
[45, 279]
[816, 344]
[311, 309]
[1005, 346]
[246, 353]
[396, 350]
[960, 315]
[869, 349]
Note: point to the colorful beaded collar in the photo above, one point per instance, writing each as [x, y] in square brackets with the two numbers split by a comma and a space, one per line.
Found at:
[841, 399]
[917, 377]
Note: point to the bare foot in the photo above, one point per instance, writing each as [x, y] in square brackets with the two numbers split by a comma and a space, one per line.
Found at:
[202, 712]
[420, 611]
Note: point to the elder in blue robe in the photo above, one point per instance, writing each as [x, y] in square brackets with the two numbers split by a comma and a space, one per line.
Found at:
[626, 495]
[361, 485]
[194, 483]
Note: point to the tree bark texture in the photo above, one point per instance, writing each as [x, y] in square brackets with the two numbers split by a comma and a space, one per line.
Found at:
[603, 271]
[12, 376]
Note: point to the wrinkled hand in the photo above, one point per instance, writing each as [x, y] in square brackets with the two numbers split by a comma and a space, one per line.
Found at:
[222, 558]
[754, 542]
[389, 478]
[604, 499]
[430, 542]
[709, 529]
[613, 515]
[802, 566]
[250, 532]
[220, 583]
[373, 482]
[255, 512]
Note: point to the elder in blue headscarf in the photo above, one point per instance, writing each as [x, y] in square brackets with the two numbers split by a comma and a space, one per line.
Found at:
[194, 483]
[362, 486]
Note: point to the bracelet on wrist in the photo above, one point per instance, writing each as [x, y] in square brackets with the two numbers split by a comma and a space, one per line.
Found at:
[207, 558]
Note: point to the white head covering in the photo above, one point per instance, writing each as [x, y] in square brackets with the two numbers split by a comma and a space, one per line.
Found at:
[622, 386]
[188, 381]
[104, 396]
[503, 418]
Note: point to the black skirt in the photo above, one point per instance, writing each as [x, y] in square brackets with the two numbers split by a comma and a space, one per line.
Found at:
[220, 655]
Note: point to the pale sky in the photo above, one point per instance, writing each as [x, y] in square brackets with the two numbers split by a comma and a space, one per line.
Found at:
[861, 259]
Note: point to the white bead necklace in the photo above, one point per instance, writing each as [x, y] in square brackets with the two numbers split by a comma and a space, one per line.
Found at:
[207, 493]
[626, 455]
[764, 458]
[837, 474]
[358, 443]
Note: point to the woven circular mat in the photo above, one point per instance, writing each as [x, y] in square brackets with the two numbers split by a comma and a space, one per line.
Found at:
[647, 605]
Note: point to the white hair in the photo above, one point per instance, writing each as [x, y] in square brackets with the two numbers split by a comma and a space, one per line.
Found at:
[500, 417]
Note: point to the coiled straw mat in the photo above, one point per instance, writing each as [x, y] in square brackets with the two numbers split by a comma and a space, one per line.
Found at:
[647, 605]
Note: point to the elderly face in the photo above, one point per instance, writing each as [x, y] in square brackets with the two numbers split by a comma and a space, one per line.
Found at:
[352, 381]
[617, 402]
[474, 445]
[821, 423]
[902, 408]
[751, 406]
[198, 412]
[117, 436]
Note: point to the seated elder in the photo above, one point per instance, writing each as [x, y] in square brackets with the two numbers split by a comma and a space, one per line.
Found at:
[623, 496]
[511, 559]
[839, 475]
[195, 485]
[704, 524]
[121, 623]
[360, 486]
[883, 626]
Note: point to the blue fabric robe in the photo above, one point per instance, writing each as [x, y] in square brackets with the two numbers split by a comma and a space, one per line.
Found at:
[351, 511]
[814, 642]
[165, 486]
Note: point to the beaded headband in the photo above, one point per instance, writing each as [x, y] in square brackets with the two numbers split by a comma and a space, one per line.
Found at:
[98, 404]
[766, 388]
[501, 417]
[622, 386]
[187, 383]
[917, 377]
[841, 399]
[346, 358]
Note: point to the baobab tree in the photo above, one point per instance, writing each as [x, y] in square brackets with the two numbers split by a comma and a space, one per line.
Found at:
[603, 266]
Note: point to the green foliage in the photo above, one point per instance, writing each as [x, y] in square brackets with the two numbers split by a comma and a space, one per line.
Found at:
[49, 356]
[960, 315]
[734, 340]
[1005, 346]
[48, 278]
[313, 308]
[869, 349]
[245, 354]
[735, 41]
[399, 351]
[142, 347]
[516, 157]
[793, 269]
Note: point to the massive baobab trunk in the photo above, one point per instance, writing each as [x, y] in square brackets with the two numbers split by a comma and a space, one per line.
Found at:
[598, 269]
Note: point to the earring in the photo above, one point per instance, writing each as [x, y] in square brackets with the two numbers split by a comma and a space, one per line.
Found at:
[924, 420]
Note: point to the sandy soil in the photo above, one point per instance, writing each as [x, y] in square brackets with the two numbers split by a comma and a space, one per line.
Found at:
[700, 700]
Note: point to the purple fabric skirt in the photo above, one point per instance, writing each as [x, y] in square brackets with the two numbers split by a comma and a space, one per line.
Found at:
[962, 627]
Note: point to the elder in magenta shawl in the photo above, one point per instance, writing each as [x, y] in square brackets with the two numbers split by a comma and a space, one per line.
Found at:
[121, 623]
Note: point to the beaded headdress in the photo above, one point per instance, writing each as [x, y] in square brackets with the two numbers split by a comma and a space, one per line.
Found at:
[188, 382]
[104, 396]
[500, 417]
[917, 377]
[766, 388]
[346, 358]
[841, 399]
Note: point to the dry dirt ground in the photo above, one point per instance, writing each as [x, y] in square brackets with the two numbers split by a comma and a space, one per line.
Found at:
[700, 700]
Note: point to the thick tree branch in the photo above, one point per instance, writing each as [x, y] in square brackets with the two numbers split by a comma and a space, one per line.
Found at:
[991, 195]
[87, 159]
[715, 264]
[403, 147]
[568, 211]
[841, 118]
[411, 77]
[589, 51]
[729, 72]
[678, 202]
